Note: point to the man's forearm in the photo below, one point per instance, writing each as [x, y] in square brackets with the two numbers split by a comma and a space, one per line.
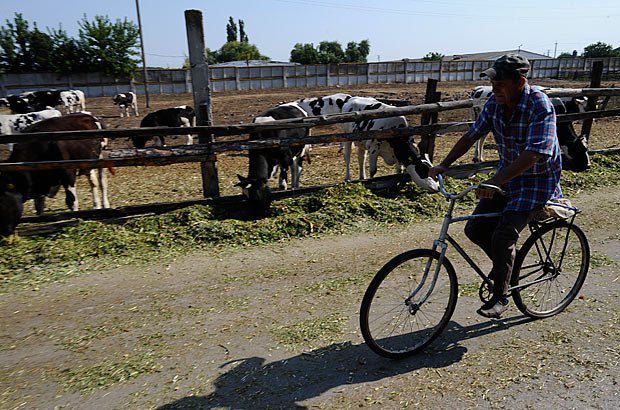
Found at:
[460, 148]
[525, 161]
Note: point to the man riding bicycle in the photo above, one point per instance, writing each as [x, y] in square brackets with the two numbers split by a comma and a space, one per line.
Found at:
[523, 122]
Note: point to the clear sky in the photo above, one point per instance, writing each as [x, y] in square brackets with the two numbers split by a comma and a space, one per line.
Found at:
[396, 28]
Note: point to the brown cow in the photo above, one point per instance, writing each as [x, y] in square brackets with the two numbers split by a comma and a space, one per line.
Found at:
[18, 187]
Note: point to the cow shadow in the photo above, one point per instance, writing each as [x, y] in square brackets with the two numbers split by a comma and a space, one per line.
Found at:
[255, 383]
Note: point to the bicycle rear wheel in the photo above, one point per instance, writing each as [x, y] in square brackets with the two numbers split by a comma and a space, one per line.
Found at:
[395, 328]
[550, 269]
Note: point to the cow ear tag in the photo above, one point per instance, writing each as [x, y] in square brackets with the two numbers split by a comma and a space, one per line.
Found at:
[10, 186]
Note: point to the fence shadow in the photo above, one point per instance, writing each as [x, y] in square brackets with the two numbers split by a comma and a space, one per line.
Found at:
[254, 383]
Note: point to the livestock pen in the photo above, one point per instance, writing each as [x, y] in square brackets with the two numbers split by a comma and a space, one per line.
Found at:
[215, 139]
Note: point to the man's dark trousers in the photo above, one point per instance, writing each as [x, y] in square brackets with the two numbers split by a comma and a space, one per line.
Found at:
[498, 238]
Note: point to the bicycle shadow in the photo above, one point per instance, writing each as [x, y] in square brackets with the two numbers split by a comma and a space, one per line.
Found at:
[254, 383]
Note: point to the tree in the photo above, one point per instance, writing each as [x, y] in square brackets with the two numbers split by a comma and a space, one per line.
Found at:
[305, 54]
[236, 51]
[109, 47]
[565, 55]
[433, 56]
[24, 49]
[598, 50]
[231, 30]
[67, 54]
[243, 37]
[330, 52]
[357, 53]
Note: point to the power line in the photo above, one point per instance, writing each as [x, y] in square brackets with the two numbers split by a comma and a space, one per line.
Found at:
[415, 13]
[163, 55]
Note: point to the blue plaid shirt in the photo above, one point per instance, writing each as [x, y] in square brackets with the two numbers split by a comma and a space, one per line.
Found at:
[532, 127]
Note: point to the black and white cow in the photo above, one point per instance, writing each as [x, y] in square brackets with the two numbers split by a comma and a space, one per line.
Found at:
[181, 116]
[330, 104]
[14, 123]
[18, 187]
[4, 102]
[31, 101]
[574, 148]
[125, 102]
[264, 163]
[401, 152]
[19, 104]
[73, 101]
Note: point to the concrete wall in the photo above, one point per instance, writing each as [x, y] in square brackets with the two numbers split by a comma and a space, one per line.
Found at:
[253, 78]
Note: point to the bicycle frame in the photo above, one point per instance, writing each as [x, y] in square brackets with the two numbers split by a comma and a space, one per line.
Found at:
[444, 238]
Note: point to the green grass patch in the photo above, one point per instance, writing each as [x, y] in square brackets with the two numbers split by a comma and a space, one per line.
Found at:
[339, 284]
[469, 289]
[27, 262]
[107, 372]
[323, 329]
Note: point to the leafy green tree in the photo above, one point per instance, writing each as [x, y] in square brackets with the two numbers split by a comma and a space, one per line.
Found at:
[41, 50]
[305, 54]
[22, 48]
[236, 51]
[599, 50]
[565, 55]
[330, 52]
[109, 46]
[211, 58]
[357, 53]
[231, 30]
[243, 37]
[433, 56]
[67, 53]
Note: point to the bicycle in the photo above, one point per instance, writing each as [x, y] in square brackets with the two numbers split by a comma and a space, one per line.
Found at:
[412, 298]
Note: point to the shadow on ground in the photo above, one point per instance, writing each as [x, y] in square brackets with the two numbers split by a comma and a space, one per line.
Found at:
[253, 383]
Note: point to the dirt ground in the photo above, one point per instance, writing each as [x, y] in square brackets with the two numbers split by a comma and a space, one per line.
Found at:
[140, 185]
[277, 327]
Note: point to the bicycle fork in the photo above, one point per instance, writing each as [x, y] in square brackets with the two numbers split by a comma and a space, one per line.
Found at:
[438, 243]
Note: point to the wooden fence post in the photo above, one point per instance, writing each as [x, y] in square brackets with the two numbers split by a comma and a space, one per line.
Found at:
[595, 82]
[427, 142]
[202, 95]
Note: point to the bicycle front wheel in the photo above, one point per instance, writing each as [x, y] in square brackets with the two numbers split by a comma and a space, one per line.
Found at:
[402, 312]
[550, 269]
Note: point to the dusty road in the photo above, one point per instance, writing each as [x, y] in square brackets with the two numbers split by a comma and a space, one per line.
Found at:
[277, 327]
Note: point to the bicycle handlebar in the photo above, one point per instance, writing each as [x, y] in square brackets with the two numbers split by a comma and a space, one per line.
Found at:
[455, 195]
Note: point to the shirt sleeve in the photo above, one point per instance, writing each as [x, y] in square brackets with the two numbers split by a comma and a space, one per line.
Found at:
[541, 132]
[482, 126]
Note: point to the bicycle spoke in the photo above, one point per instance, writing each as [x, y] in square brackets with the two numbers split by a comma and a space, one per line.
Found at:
[394, 327]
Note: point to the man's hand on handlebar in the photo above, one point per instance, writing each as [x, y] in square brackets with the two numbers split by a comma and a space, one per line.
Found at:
[436, 170]
[487, 193]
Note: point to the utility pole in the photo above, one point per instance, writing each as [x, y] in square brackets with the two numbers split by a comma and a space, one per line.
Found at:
[555, 50]
[146, 89]
[378, 58]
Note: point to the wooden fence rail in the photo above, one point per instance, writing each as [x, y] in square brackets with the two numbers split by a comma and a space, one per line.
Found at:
[158, 156]
[307, 122]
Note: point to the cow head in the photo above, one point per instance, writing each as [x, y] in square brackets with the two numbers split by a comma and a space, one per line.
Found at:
[419, 173]
[4, 102]
[139, 141]
[20, 104]
[257, 192]
[575, 155]
[11, 207]
[117, 99]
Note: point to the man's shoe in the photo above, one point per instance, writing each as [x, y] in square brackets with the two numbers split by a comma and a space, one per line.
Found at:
[494, 308]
